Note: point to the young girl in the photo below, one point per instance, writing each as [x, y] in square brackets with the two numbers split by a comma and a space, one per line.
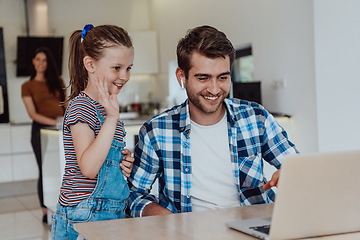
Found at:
[94, 187]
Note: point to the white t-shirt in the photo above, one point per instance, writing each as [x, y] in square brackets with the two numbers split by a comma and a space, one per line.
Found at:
[212, 185]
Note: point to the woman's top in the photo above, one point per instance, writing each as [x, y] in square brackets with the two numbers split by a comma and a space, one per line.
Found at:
[46, 103]
[75, 186]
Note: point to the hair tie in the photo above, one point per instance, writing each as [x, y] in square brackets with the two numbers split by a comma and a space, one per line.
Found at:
[85, 30]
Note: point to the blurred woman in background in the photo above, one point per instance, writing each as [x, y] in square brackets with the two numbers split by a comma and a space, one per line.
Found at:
[43, 96]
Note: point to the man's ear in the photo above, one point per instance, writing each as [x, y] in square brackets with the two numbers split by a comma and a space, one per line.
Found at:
[89, 64]
[180, 77]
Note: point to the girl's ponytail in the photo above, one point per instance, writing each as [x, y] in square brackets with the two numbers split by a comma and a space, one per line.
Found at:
[77, 71]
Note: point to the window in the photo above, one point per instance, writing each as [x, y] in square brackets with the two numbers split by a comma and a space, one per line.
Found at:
[243, 67]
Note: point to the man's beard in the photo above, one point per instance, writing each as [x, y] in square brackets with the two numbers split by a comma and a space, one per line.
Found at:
[206, 108]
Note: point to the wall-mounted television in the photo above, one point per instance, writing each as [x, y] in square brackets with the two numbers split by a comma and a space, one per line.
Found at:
[249, 91]
[26, 47]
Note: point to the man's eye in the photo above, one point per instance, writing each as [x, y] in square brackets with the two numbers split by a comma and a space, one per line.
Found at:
[202, 78]
[224, 77]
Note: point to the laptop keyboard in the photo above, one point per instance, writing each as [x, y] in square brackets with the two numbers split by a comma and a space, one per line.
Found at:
[264, 229]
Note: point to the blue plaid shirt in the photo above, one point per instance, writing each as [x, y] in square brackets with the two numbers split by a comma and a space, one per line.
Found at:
[163, 153]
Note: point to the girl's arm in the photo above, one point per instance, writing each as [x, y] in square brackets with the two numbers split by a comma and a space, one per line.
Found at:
[30, 108]
[90, 151]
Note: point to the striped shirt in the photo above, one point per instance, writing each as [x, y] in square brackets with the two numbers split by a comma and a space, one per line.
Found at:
[163, 153]
[76, 187]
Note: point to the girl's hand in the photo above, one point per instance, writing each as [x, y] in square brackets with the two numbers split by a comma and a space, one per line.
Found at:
[109, 101]
[127, 162]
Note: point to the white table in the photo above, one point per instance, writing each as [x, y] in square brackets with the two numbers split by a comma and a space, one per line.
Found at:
[209, 225]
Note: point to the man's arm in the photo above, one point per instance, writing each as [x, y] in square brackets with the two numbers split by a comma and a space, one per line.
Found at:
[149, 166]
[276, 136]
[142, 177]
[155, 209]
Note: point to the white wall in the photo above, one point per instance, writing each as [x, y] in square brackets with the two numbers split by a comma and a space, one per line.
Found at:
[281, 34]
[337, 44]
[65, 16]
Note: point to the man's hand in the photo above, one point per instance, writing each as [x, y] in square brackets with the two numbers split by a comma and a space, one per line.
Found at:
[273, 181]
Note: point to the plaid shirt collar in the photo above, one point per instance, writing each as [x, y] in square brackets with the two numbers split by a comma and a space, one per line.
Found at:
[185, 115]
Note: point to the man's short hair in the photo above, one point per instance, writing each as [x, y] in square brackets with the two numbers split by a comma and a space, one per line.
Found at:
[205, 40]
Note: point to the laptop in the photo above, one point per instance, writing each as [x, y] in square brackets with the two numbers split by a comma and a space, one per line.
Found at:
[318, 194]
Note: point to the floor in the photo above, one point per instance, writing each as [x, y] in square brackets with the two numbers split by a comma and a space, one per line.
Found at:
[20, 213]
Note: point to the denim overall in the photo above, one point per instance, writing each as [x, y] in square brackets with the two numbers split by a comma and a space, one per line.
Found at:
[108, 200]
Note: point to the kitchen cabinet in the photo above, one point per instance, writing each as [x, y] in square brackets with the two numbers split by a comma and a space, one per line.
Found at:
[23, 158]
[5, 143]
[146, 52]
[6, 173]
[53, 165]
[16, 156]
[24, 166]
[20, 138]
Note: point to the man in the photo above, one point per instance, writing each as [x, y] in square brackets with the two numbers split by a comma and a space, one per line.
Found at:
[207, 152]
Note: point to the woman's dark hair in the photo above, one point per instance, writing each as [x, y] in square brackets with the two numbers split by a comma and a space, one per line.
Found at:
[205, 40]
[53, 81]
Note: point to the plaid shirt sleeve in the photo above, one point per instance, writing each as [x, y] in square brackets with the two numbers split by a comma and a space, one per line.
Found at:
[255, 136]
[275, 141]
[146, 169]
[157, 157]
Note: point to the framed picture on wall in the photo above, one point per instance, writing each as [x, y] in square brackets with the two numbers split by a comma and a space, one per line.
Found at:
[4, 105]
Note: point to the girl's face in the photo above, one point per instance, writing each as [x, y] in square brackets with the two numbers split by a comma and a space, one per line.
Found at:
[40, 62]
[115, 66]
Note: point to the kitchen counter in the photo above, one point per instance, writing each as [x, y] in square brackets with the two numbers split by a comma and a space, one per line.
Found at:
[54, 159]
